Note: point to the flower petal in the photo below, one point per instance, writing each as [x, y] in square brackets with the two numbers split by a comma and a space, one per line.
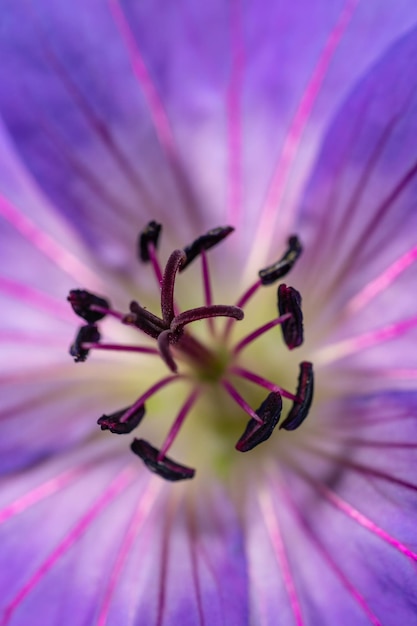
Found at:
[359, 222]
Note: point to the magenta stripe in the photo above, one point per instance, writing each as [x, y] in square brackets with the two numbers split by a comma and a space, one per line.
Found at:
[270, 520]
[116, 486]
[38, 493]
[48, 246]
[234, 115]
[146, 502]
[327, 557]
[292, 141]
[349, 510]
[158, 114]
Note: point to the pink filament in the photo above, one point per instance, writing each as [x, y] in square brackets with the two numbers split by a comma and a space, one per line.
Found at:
[260, 331]
[263, 382]
[151, 391]
[119, 348]
[185, 409]
[240, 401]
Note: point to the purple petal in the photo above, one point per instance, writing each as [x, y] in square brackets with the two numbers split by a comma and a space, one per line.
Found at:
[125, 546]
[146, 104]
[360, 222]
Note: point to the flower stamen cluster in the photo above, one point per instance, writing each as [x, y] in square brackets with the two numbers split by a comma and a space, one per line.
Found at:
[174, 341]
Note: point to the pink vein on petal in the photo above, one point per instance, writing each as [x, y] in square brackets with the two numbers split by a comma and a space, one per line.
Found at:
[54, 251]
[293, 138]
[38, 493]
[327, 557]
[35, 299]
[115, 487]
[350, 346]
[158, 114]
[364, 521]
[234, 115]
[274, 532]
[146, 501]
[381, 282]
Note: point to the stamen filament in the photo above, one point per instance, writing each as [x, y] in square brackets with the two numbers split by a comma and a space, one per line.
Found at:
[207, 288]
[111, 312]
[260, 331]
[241, 303]
[151, 391]
[152, 252]
[240, 401]
[119, 347]
[263, 382]
[185, 409]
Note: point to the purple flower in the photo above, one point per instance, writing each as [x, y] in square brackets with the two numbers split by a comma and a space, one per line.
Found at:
[279, 119]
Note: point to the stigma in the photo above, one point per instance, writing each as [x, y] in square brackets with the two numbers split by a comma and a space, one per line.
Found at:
[186, 358]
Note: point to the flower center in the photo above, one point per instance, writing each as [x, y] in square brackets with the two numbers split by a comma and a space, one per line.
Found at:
[200, 364]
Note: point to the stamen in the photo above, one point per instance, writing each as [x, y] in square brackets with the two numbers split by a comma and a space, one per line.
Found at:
[147, 248]
[82, 301]
[255, 433]
[120, 348]
[174, 263]
[110, 312]
[185, 409]
[207, 287]
[175, 342]
[263, 382]
[166, 468]
[289, 301]
[148, 237]
[240, 304]
[260, 331]
[86, 334]
[112, 422]
[278, 270]
[305, 390]
[241, 402]
[151, 391]
[205, 242]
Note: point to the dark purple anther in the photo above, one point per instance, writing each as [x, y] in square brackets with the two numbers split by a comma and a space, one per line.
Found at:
[256, 433]
[112, 422]
[274, 272]
[166, 467]
[289, 301]
[150, 234]
[86, 334]
[305, 391]
[81, 302]
[205, 242]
